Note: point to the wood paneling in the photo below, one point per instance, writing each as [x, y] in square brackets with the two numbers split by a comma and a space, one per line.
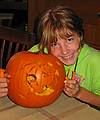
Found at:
[87, 9]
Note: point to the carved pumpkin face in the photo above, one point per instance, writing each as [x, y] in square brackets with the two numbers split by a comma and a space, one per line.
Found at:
[36, 79]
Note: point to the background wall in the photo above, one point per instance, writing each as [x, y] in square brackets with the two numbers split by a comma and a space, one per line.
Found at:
[87, 9]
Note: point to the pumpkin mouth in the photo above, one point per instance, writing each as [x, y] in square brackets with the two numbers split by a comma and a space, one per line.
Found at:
[46, 91]
[36, 88]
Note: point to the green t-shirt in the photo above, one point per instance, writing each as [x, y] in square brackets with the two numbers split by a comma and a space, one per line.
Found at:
[88, 67]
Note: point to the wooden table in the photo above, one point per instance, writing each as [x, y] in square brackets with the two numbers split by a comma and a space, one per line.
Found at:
[64, 108]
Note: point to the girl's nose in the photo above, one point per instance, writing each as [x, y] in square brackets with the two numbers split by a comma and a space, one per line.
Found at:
[64, 50]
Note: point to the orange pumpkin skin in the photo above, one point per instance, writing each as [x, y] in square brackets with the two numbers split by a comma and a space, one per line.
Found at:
[37, 80]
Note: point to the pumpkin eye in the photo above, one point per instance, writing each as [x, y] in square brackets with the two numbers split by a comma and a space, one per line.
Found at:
[31, 78]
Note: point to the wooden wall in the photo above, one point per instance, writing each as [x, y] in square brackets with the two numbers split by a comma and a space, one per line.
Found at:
[87, 9]
[92, 34]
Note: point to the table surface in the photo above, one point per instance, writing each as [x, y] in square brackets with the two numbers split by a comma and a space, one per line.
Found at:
[64, 108]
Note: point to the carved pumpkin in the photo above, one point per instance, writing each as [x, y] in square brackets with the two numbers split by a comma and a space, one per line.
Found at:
[36, 79]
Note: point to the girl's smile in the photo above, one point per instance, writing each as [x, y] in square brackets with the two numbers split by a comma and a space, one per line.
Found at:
[70, 58]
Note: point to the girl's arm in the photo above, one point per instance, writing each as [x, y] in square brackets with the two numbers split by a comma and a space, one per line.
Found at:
[88, 97]
[73, 89]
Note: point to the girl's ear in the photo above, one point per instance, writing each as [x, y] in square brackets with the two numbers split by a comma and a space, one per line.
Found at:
[81, 39]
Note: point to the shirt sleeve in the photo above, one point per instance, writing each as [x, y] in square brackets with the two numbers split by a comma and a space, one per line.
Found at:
[34, 48]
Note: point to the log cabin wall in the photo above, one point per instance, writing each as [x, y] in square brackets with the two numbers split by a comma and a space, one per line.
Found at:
[87, 9]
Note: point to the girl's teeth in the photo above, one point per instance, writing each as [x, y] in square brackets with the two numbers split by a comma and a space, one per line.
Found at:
[68, 57]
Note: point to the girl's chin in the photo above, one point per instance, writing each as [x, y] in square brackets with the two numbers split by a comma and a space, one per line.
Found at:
[69, 62]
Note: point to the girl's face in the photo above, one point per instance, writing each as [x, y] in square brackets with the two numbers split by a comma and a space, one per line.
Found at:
[67, 50]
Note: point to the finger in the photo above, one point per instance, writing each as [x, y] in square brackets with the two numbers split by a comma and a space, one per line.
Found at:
[2, 80]
[71, 90]
[66, 84]
[3, 90]
[67, 92]
[3, 85]
[3, 94]
[73, 86]
[72, 82]
[7, 75]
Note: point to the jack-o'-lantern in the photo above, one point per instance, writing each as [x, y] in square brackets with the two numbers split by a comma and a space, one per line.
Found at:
[37, 79]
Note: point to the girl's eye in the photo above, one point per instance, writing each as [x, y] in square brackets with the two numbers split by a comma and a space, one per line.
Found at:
[53, 44]
[69, 40]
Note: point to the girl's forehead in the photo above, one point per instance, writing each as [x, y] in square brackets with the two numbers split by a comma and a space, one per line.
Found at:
[65, 33]
[70, 32]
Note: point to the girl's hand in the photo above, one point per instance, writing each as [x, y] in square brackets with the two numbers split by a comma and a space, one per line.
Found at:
[71, 87]
[4, 79]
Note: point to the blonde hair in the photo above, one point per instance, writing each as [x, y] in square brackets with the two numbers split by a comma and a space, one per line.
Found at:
[59, 18]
